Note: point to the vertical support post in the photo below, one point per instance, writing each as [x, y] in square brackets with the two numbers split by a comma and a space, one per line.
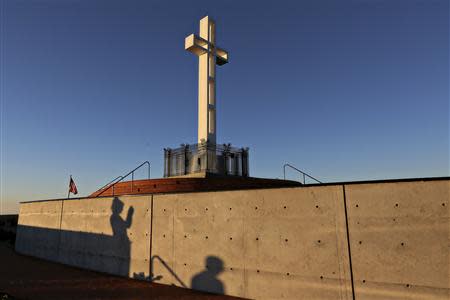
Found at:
[245, 172]
[68, 193]
[165, 162]
[169, 158]
[186, 159]
[226, 155]
[132, 179]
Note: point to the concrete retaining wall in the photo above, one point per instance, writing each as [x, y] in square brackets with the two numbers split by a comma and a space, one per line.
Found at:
[271, 243]
[38, 229]
[89, 233]
[400, 239]
[289, 243]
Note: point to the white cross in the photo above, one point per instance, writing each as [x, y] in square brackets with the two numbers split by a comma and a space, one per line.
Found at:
[208, 56]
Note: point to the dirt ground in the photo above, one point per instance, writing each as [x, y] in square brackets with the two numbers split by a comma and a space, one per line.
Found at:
[23, 277]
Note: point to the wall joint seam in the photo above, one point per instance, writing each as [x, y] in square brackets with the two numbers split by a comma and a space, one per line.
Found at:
[348, 243]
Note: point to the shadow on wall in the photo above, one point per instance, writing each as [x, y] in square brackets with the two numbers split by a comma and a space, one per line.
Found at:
[108, 253]
[207, 280]
[120, 237]
[95, 251]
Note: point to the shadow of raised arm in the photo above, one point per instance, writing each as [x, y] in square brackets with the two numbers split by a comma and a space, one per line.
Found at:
[129, 216]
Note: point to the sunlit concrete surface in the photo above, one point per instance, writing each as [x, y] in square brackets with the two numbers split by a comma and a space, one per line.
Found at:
[374, 240]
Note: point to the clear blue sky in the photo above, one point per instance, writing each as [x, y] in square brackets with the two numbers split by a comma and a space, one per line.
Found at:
[343, 89]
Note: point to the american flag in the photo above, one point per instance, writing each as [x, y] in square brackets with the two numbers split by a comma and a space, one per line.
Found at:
[72, 187]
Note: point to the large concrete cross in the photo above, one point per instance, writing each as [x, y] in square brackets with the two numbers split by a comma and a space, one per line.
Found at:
[208, 56]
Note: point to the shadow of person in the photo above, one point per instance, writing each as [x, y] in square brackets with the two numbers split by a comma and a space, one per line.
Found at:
[207, 280]
[120, 241]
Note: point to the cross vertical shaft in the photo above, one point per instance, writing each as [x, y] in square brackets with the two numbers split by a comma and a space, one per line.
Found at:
[207, 85]
[209, 55]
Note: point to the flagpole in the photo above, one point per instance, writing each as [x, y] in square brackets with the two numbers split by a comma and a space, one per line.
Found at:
[68, 194]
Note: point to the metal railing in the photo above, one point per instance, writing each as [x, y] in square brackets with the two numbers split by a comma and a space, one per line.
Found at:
[300, 171]
[118, 177]
[206, 157]
[112, 185]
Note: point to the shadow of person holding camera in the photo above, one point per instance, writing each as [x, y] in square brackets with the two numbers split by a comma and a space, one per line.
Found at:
[120, 242]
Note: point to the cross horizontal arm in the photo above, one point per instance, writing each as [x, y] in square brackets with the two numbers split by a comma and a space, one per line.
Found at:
[221, 56]
[196, 45]
[199, 46]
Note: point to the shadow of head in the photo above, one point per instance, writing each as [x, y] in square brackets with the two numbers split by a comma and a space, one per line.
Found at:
[208, 280]
[214, 265]
[117, 206]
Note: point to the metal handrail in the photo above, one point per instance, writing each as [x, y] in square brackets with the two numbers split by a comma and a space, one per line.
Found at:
[118, 177]
[126, 175]
[300, 171]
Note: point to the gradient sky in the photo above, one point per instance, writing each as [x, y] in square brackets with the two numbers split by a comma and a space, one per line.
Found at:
[343, 89]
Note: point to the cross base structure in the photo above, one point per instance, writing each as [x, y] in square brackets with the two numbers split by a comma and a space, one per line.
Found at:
[205, 160]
